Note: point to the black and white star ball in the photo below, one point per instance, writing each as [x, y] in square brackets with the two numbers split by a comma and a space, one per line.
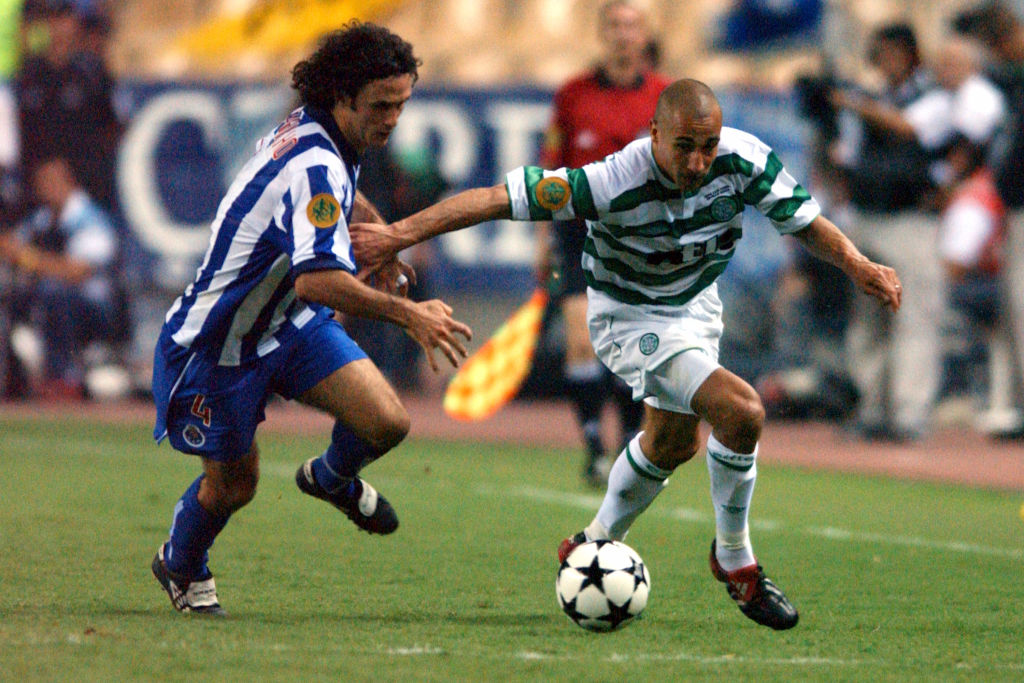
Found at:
[603, 585]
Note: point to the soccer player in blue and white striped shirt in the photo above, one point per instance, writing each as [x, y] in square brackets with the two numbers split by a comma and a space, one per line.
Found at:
[258, 319]
[663, 218]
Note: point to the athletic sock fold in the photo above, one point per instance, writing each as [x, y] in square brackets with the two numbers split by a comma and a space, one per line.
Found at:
[343, 459]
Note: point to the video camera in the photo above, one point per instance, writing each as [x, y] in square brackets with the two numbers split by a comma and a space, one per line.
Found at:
[988, 23]
[814, 102]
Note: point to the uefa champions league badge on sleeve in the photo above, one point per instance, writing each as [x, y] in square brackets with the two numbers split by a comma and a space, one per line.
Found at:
[552, 193]
[323, 210]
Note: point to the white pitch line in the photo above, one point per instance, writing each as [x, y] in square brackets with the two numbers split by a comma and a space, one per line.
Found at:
[592, 502]
[618, 658]
[913, 541]
[587, 501]
[414, 651]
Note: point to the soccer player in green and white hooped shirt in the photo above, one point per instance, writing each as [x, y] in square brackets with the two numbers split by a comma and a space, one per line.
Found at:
[663, 216]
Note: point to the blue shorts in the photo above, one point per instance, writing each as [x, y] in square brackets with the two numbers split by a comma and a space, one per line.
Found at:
[213, 410]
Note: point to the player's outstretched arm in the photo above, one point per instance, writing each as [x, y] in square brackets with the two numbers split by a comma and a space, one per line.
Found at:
[827, 242]
[373, 245]
[430, 323]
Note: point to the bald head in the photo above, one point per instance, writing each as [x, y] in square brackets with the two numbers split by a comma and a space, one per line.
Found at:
[686, 98]
[685, 132]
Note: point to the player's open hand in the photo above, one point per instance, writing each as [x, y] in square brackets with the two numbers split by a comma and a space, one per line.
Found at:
[433, 327]
[880, 282]
[374, 245]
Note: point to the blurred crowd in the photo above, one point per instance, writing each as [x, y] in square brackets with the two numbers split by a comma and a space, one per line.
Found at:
[63, 304]
[922, 169]
[917, 165]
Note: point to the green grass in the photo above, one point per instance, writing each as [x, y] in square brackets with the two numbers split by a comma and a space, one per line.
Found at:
[895, 580]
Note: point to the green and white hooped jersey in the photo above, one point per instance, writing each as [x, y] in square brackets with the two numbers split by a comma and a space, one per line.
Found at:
[648, 242]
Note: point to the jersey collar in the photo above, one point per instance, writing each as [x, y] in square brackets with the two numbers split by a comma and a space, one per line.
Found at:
[601, 76]
[324, 118]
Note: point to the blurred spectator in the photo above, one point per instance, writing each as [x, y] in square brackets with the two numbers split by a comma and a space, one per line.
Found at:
[595, 114]
[973, 218]
[399, 184]
[810, 313]
[977, 108]
[894, 359]
[96, 33]
[812, 303]
[64, 257]
[65, 107]
[973, 230]
[1002, 32]
[10, 52]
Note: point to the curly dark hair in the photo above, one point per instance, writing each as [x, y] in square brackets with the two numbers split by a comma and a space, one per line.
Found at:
[348, 59]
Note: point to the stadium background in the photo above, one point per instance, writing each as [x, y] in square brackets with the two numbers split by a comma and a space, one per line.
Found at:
[197, 90]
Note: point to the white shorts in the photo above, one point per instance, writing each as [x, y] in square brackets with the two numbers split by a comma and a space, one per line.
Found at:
[663, 353]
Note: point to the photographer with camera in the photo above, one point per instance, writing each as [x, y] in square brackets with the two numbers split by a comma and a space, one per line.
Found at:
[894, 359]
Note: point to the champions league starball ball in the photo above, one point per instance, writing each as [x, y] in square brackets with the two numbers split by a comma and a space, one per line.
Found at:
[602, 585]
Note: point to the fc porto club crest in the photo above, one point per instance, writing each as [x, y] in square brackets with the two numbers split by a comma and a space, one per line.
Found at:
[552, 193]
[649, 343]
[724, 208]
[193, 436]
[323, 210]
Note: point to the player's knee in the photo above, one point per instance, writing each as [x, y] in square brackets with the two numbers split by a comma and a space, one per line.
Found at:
[669, 449]
[747, 420]
[391, 429]
[227, 495]
[688, 448]
[243, 493]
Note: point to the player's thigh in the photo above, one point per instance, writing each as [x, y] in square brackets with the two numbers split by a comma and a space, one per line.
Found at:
[578, 347]
[359, 396]
[670, 438]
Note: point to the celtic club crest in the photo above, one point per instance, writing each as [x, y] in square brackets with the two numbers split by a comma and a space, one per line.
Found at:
[648, 343]
[723, 208]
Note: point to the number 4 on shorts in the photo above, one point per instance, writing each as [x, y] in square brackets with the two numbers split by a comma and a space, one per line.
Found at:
[201, 411]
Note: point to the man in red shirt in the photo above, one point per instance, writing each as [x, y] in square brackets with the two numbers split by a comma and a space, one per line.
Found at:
[595, 114]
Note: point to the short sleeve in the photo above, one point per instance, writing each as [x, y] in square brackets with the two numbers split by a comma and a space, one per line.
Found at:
[319, 205]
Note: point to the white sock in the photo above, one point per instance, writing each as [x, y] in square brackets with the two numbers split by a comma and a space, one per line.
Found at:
[732, 486]
[633, 483]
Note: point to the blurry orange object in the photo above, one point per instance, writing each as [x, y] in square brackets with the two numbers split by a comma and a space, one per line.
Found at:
[492, 376]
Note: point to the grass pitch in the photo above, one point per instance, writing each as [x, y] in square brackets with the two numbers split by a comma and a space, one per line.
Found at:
[894, 580]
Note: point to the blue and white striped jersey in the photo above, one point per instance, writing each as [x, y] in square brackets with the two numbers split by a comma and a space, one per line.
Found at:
[286, 213]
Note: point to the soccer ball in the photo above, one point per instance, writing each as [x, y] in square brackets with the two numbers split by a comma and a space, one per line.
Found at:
[602, 585]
